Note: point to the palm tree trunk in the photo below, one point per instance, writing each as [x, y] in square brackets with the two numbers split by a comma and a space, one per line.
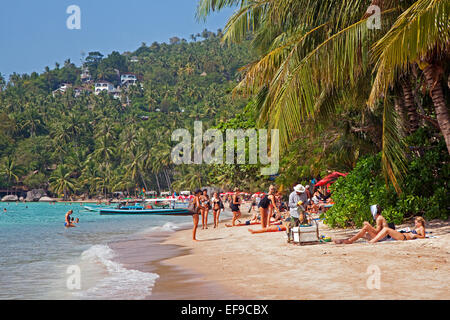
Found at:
[166, 175]
[433, 79]
[408, 98]
[157, 183]
[143, 181]
[400, 110]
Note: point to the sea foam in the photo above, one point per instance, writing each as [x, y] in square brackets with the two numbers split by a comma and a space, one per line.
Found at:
[120, 283]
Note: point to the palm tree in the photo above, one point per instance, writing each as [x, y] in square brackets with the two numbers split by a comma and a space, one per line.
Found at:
[420, 35]
[60, 181]
[10, 170]
[314, 53]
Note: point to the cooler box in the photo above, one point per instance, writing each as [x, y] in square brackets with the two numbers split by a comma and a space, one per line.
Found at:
[303, 235]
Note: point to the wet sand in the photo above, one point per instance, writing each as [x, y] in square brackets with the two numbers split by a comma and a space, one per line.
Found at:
[147, 254]
[265, 266]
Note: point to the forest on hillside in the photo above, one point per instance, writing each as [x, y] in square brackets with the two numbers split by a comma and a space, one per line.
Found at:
[372, 102]
[77, 142]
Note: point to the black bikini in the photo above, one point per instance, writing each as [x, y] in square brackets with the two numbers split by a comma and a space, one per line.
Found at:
[233, 206]
[265, 202]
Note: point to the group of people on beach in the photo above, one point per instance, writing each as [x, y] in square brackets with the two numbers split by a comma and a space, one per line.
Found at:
[303, 202]
[201, 205]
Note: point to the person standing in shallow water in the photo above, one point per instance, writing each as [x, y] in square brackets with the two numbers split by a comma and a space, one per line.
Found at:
[68, 222]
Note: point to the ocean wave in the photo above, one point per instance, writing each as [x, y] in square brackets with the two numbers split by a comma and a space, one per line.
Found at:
[167, 227]
[121, 283]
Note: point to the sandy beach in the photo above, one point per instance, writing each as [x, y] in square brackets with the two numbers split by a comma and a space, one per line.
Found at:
[265, 266]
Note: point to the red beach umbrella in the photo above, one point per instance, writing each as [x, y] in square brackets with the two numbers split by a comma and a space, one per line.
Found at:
[331, 178]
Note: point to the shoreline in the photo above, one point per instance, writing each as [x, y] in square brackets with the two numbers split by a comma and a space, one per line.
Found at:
[265, 266]
[150, 253]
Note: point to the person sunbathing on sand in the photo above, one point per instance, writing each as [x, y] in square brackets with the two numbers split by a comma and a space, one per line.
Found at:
[418, 232]
[368, 231]
[252, 222]
[272, 228]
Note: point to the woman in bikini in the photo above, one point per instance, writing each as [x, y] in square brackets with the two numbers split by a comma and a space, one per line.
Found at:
[196, 212]
[418, 232]
[264, 204]
[204, 208]
[234, 206]
[217, 205]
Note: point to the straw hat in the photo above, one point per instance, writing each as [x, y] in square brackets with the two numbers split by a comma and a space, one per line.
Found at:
[299, 188]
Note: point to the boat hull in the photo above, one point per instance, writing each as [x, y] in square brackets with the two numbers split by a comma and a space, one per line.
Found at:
[173, 212]
[91, 209]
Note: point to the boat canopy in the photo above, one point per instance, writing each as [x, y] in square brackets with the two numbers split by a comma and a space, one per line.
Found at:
[160, 199]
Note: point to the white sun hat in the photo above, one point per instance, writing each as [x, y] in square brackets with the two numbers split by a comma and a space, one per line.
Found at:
[299, 188]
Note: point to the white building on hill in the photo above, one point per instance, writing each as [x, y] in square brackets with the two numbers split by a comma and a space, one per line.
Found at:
[102, 86]
[127, 79]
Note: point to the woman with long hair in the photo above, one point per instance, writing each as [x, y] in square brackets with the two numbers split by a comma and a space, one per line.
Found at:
[418, 232]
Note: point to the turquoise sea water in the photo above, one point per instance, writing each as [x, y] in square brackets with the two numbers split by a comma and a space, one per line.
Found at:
[38, 254]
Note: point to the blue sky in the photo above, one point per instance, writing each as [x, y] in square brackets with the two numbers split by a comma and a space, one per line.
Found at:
[33, 34]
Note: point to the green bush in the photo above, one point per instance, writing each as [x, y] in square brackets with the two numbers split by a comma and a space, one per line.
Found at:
[424, 189]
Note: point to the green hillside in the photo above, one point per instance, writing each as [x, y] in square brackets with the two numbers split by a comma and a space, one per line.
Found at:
[77, 142]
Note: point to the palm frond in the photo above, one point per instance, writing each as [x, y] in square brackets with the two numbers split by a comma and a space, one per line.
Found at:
[393, 149]
[423, 27]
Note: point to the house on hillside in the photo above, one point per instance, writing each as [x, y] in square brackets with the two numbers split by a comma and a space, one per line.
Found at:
[62, 88]
[134, 59]
[102, 85]
[77, 91]
[116, 92]
[85, 76]
[127, 79]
